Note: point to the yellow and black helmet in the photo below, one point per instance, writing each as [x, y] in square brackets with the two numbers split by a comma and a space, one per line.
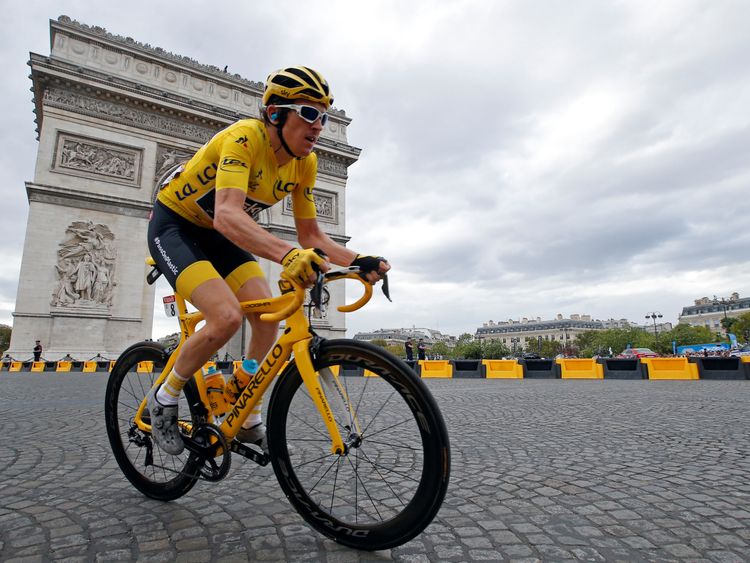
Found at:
[297, 82]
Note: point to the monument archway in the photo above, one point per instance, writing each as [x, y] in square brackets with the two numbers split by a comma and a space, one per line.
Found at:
[113, 118]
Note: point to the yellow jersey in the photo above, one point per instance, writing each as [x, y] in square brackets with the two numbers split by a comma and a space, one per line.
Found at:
[240, 157]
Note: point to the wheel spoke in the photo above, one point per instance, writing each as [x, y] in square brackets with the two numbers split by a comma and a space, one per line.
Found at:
[166, 477]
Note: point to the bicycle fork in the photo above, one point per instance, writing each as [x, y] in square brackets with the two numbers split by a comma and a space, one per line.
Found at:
[326, 391]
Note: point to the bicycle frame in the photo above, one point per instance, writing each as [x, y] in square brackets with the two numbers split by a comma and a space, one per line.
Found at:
[295, 339]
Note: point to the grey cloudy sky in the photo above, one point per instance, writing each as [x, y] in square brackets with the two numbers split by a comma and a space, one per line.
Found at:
[520, 159]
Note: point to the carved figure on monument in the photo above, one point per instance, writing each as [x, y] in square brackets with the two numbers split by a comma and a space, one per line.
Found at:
[97, 159]
[101, 285]
[168, 161]
[85, 274]
[85, 266]
[65, 294]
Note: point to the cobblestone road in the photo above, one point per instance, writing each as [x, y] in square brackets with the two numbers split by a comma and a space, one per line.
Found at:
[545, 470]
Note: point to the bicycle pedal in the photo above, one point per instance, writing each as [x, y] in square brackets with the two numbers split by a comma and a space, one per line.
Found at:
[250, 453]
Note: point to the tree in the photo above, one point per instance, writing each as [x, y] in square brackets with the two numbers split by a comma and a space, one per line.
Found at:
[727, 323]
[468, 350]
[741, 327]
[494, 350]
[5, 332]
[684, 334]
[442, 350]
[550, 348]
[599, 342]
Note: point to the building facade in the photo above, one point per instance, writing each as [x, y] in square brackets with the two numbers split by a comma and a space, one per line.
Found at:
[525, 333]
[399, 335]
[709, 312]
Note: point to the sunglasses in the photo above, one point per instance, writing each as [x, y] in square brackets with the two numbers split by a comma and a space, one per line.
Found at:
[308, 113]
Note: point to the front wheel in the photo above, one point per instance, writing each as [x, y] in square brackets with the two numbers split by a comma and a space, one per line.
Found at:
[153, 472]
[391, 482]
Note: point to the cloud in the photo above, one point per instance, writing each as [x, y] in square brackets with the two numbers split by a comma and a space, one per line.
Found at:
[583, 158]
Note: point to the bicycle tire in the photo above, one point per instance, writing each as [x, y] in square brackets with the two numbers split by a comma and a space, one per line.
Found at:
[164, 477]
[401, 468]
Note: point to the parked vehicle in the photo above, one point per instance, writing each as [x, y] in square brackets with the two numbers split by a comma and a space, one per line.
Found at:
[635, 353]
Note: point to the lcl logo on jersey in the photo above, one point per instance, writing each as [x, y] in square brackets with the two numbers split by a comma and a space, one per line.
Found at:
[281, 189]
[309, 194]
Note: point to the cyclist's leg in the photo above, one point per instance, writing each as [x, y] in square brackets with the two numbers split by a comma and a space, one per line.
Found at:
[262, 336]
[183, 252]
[222, 315]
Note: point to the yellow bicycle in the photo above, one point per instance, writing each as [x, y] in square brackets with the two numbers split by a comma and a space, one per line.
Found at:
[356, 440]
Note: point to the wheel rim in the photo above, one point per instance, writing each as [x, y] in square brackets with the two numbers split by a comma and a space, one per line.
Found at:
[380, 475]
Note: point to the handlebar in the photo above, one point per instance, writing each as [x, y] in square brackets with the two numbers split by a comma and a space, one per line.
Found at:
[352, 272]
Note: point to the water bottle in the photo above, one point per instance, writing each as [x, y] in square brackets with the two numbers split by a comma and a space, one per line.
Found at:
[215, 391]
[239, 380]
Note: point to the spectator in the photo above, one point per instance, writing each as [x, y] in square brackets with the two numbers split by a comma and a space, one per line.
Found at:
[37, 351]
[421, 349]
[409, 347]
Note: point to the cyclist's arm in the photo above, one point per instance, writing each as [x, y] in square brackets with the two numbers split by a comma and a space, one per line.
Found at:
[310, 235]
[231, 221]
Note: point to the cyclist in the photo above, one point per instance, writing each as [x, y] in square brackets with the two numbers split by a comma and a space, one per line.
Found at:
[204, 235]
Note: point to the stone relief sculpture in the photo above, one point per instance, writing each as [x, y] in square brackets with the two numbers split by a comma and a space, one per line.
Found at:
[168, 157]
[85, 267]
[325, 204]
[119, 113]
[97, 159]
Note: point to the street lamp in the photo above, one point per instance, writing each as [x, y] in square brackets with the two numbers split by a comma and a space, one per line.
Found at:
[723, 302]
[515, 341]
[653, 315]
[566, 349]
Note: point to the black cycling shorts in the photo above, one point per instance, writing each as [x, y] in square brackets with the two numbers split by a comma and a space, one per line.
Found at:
[189, 255]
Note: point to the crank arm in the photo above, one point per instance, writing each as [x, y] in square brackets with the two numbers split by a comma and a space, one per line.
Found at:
[248, 452]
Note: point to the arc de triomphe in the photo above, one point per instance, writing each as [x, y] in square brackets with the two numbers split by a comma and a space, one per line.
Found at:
[113, 117]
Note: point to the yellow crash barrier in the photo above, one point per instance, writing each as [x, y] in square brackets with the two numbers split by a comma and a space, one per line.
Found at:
[145, 366]
[745, 359]
[369, 373]
[16, 366]
[89, 367]
[503, 369]
[670, 368]
[37, 366]
[63, 366]
[436, 368]
[580, 368]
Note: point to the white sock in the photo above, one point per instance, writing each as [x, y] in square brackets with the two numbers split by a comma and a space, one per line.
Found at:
[169, 392]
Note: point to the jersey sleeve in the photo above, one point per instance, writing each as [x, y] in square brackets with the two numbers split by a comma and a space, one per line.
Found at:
[234, 161]
[302, 197]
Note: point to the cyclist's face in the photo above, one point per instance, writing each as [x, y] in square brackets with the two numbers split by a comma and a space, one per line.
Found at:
[300, 135]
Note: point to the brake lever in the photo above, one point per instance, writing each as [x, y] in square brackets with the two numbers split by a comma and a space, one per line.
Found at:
[386, 290]
[316, 291]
